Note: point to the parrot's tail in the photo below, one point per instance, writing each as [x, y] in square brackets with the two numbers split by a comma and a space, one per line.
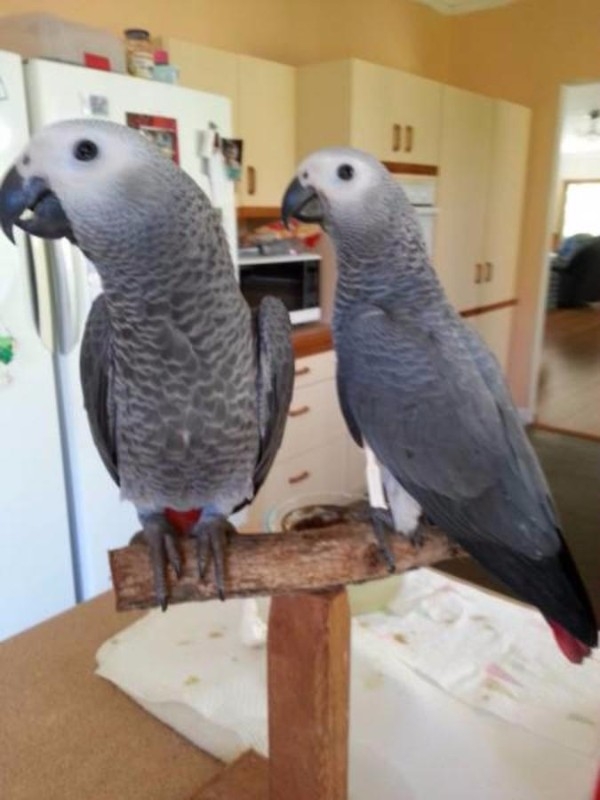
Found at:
[183, 521]
[571, 647]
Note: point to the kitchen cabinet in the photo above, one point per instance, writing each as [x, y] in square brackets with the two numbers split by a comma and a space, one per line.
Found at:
[317, 455]
[207, 70]
[263, 97]
[266, 117]
[480, 197]
[391, 114]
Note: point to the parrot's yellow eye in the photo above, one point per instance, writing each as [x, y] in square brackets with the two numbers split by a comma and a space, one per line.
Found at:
[85, 150]
[345, 172]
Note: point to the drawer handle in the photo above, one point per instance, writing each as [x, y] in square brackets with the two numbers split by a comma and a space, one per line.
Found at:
[396, 138]
[409, 139]
[489, 271]
[478, 273]
[297, 412]
[301, 371]
[251, 180]
[301, 476]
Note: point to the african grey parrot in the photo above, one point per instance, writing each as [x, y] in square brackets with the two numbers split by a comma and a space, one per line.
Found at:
[422, 393]
[186, 391]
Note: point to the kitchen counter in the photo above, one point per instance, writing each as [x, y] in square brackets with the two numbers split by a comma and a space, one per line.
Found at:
[312, 338]
[67, 734]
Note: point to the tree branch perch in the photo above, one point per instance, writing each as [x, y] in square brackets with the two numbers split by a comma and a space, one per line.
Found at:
[277, 563]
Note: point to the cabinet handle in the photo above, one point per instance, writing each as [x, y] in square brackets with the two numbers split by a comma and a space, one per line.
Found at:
[489, 271]
[478, 273]
[301, 476]
[298, 412]
[251, 180]
[396, 138]
[301, 371]
[409, 139]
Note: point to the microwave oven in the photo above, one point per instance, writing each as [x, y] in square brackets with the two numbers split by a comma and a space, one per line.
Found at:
[294, 279]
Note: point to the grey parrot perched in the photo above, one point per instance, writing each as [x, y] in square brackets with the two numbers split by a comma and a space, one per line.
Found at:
[423, 394]
[186, 390]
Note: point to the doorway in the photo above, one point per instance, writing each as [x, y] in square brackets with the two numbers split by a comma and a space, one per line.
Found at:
[569, 376]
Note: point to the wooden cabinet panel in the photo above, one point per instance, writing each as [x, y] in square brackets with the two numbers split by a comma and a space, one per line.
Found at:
[462, 193]
[314, 418]
[266, 116]
[505, 200]
[414, 118]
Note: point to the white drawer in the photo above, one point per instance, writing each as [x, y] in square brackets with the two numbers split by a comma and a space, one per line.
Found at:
[313, 419]
[312, 369]
[315, 472]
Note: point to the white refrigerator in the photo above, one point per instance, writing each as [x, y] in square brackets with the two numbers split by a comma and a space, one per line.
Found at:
[59, 510]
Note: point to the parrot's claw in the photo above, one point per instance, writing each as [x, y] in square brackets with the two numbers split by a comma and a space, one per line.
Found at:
[383, 528]
[211, 535]
[158, 535]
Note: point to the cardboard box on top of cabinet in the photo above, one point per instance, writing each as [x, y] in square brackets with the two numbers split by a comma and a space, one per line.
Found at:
[48, 36]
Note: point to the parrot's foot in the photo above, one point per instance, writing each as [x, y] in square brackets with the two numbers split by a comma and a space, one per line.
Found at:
[159, 536]
[383, 528]
[212, 535]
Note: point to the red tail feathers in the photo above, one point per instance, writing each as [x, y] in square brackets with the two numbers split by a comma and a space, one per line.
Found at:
[183, 521]
[573, 649]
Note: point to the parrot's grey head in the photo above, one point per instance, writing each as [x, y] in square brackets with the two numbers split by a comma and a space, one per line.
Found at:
[342, 189]
[73, 180]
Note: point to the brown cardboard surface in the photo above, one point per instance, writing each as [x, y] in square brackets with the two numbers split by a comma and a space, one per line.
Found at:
[67, 734]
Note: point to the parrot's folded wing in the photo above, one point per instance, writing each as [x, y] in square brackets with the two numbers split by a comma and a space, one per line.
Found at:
[274, 380]
[96, 368]
[421, 403]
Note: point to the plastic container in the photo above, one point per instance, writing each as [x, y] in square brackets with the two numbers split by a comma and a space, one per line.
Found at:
[47, 36]
[163, 71]
[140, 53]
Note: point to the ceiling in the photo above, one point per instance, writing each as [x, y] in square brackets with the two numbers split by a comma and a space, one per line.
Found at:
[579, 101]
[463, 6]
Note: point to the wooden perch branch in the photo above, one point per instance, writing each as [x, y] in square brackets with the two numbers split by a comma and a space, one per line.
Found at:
[277, 563]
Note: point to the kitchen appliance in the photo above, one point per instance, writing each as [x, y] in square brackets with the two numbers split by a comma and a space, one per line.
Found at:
[293, 278]
[59, 510]
[421, 191]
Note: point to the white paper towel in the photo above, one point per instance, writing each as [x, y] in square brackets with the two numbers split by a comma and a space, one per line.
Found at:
[417, 730]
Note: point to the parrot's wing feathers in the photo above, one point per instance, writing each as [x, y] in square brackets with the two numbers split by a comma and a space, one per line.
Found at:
[274, 380]
[96, 368]
[431, 419]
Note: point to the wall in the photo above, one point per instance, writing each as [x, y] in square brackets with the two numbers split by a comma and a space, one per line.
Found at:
[524, 52]
[400, 33]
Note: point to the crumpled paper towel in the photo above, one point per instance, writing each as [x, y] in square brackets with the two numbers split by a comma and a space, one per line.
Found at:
[422, 671]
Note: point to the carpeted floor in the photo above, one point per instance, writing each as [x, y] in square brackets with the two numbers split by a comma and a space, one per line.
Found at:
[572, 467]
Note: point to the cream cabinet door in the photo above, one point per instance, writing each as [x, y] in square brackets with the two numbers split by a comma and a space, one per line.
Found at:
[206, 69]
[466, 144]
[506, 191]
[266, 123]
[369, 117]
[495, 329]
[414, 119]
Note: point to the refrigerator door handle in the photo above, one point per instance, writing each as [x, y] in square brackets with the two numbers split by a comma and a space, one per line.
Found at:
[67, 281]
[40, 282]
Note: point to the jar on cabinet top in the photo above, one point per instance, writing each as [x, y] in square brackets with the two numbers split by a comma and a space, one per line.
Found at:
[140, 53]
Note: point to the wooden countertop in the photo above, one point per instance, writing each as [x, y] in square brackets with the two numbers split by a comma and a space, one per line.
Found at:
[66, 734]
[312, 338]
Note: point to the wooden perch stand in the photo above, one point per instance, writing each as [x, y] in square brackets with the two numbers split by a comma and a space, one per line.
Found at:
[308, 645]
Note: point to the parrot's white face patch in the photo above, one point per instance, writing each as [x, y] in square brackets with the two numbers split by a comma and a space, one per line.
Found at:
[342, 177]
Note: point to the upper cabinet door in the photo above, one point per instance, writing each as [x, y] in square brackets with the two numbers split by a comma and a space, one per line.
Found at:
[266, 123]
[466, 147]
[369, 109]
[505, 200]
[414, 119]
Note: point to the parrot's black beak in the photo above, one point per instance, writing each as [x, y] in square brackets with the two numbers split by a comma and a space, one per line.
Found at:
[301, 202]
[47, 218]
